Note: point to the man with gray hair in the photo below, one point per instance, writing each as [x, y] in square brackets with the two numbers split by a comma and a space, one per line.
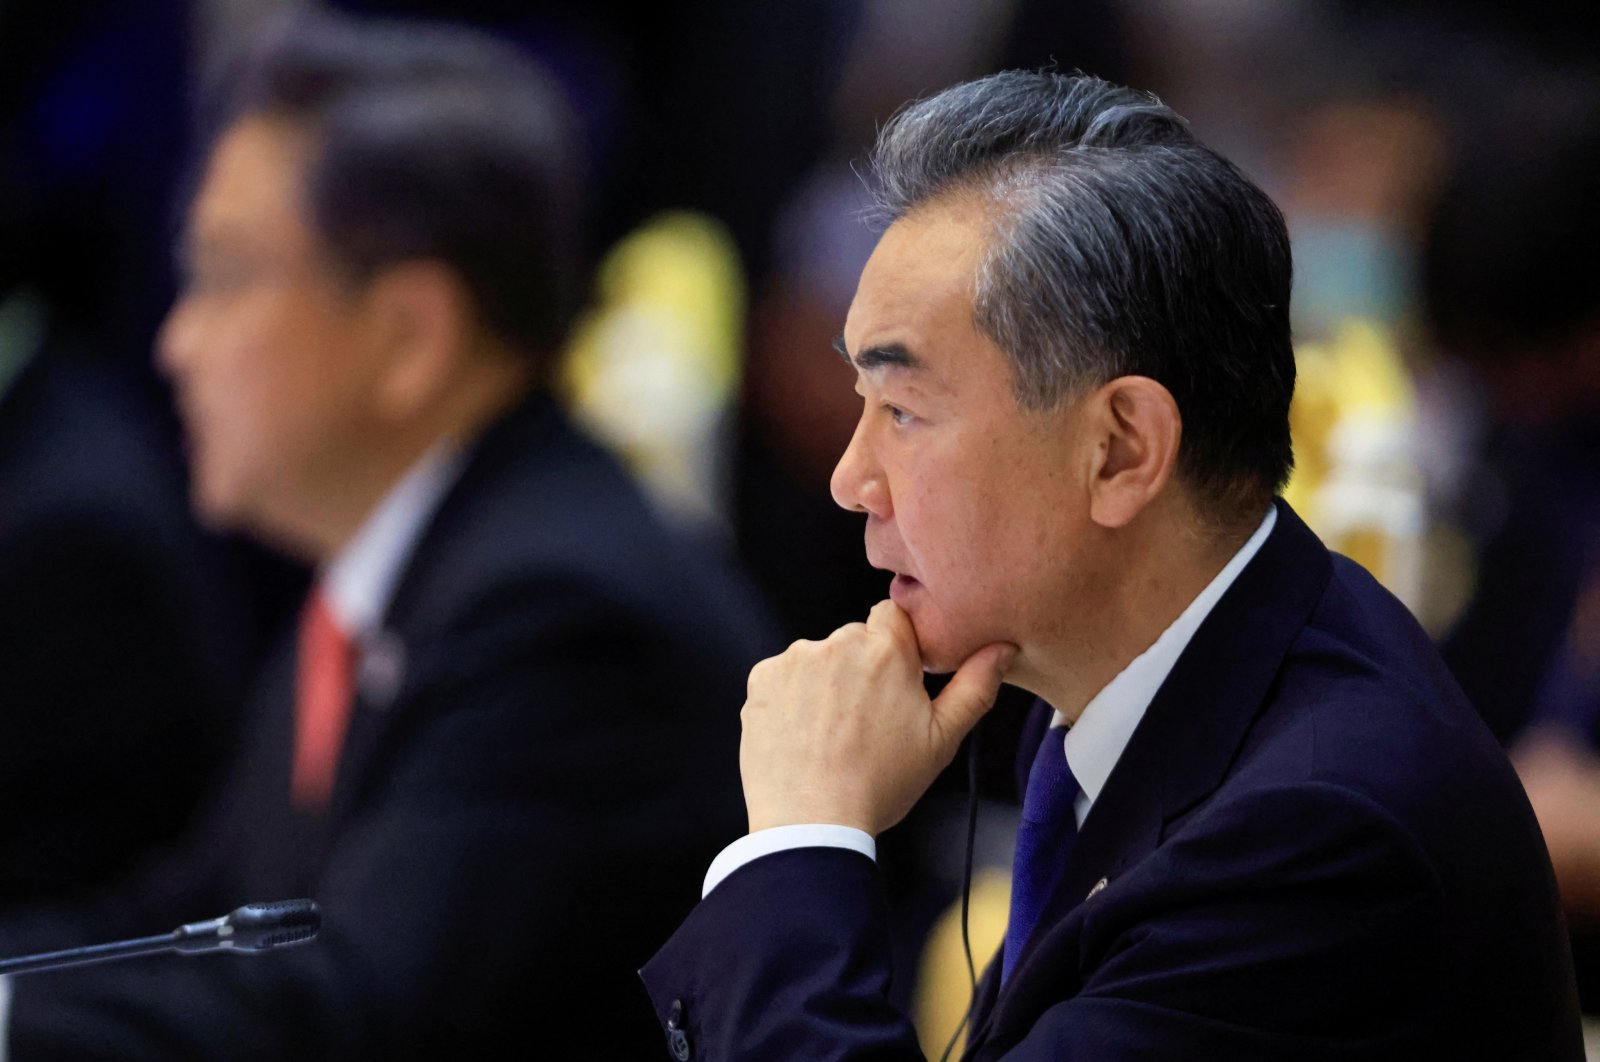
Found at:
[1260, 820]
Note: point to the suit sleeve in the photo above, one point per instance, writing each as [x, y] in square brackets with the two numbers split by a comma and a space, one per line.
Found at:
[1300, 923]
[788, 958]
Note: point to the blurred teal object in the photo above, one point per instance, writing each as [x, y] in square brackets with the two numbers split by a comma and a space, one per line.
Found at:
[1345, 270]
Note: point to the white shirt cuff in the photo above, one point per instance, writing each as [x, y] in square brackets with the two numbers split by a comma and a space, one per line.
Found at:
[753, 846]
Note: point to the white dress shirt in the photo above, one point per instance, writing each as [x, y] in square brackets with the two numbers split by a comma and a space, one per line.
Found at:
[361, 578]
[1092, 745]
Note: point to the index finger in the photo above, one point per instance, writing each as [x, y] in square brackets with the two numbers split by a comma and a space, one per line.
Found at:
[889, 618]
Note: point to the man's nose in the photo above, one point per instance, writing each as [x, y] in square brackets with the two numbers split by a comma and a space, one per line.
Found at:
[858, 483]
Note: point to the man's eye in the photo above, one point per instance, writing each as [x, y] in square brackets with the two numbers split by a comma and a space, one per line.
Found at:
[898, 415]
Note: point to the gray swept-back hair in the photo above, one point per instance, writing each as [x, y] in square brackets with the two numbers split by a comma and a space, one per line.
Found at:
[1118, 245]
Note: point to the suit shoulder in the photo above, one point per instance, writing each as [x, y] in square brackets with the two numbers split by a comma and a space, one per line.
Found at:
[545, 521]
[1362, 702]
[1367, 684]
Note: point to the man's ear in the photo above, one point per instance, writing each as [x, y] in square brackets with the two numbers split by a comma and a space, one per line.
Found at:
[1137, 429]
[422, 319]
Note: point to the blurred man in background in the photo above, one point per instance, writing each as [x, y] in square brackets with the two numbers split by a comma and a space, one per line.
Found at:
[500, 746]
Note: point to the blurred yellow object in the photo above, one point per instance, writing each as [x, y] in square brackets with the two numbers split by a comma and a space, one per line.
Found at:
[944, 988]
[653, 367]
[1356, 479]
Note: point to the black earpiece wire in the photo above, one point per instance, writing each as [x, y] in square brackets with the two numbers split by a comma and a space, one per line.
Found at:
[966, 886]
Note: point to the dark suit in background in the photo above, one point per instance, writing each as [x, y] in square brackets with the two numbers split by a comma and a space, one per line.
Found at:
[540, 764]
[1311, 848]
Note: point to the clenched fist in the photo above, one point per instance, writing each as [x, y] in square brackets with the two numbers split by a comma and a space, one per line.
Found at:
[842, 731]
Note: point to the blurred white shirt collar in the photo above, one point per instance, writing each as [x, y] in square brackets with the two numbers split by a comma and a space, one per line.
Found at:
[362, 577]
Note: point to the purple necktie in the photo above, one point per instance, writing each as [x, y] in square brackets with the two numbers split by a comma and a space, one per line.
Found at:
[1044, 840]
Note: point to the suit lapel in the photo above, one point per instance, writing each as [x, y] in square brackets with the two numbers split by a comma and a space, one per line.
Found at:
[1178, 755]
[380, 677]
[388, 658]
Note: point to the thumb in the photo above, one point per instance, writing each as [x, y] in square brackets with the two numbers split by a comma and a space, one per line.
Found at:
[972, 689]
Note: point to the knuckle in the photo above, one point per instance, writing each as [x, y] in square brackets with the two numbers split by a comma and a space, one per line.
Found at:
[883, 651]
[847, 632]
[759, 675]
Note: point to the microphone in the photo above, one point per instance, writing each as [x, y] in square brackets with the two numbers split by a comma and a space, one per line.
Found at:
[251, 929]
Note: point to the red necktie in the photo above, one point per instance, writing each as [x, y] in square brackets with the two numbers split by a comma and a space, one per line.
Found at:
[324, 689]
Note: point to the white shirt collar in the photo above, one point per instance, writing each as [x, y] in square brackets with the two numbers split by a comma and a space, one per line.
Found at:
[362, 576]
[1095, 742]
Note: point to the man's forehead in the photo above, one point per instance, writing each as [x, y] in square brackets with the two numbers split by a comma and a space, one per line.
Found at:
[933, 253]
[252, 184]
[913, 304]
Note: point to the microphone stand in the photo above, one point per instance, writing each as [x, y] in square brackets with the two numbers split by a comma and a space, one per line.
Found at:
[251, 929]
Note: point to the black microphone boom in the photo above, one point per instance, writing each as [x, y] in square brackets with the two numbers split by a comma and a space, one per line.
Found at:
[253, 928]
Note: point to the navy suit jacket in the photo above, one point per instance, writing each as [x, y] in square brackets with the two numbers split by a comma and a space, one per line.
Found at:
[1312, 848]
[520, 811]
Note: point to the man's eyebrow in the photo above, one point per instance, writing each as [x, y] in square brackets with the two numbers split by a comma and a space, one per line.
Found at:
[888, 355]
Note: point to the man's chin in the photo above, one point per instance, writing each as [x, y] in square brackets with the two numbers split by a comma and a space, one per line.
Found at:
[233, 512]
[209, 510]
[941, 658]
[212, 505]
[943, 652]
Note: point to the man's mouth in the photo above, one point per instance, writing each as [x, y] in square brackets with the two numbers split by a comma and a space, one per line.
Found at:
[902, 588]
[901, 585]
